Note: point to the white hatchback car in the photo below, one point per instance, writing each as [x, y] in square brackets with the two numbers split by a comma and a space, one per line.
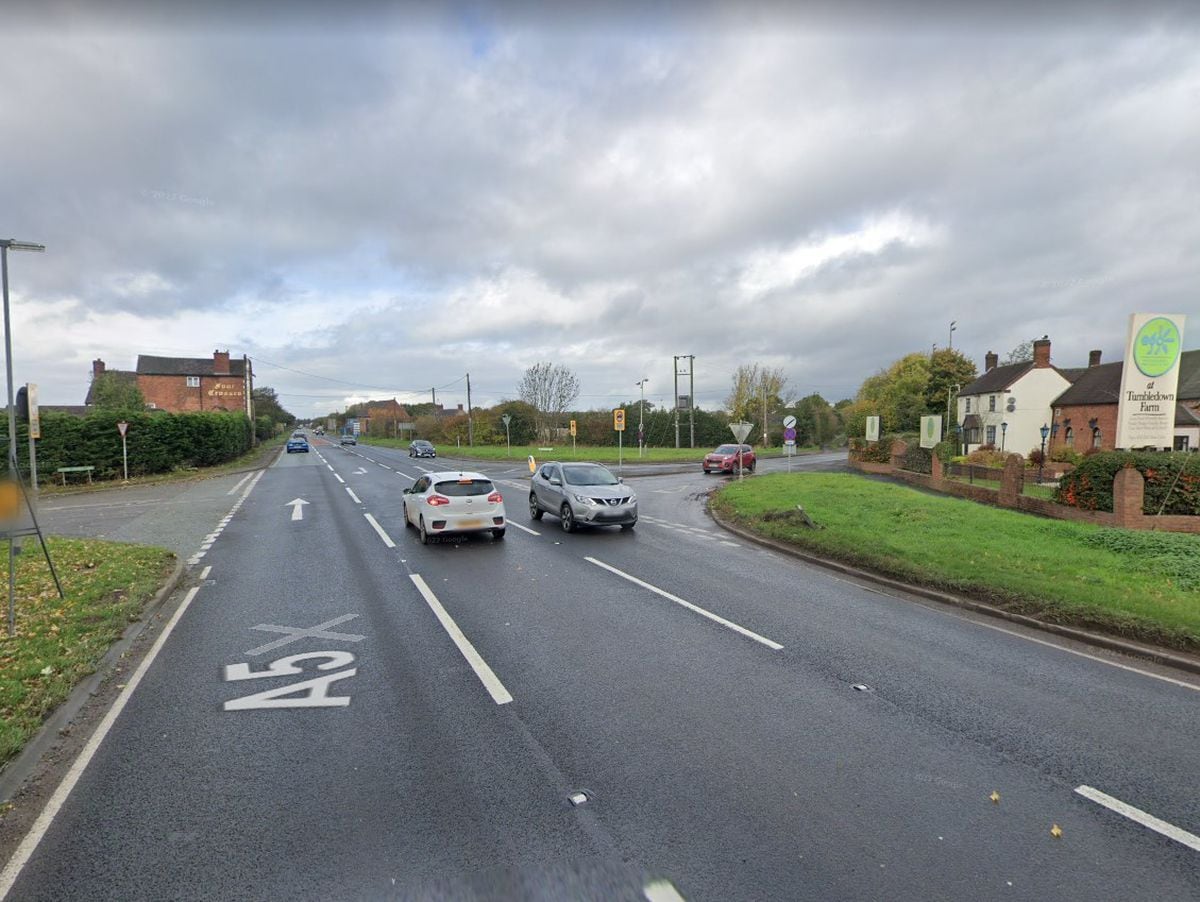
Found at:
[441, 503]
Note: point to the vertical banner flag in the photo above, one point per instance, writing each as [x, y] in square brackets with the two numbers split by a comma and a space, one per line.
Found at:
[35, 417]
[931, 431]
[872, 429]
[1149, 381]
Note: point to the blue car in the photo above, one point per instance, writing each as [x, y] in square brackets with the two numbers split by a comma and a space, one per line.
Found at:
[297, 443]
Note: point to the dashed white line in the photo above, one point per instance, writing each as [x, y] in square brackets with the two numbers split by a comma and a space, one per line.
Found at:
[207, 570]
[339, 478]
[1136, 814]
[661, 891]
[350, 492]
[524, 528]
[731, 544]
[385, 466]
[486, 675]
[387, 540]
[15, 864]
[749, 634]
[330, 467]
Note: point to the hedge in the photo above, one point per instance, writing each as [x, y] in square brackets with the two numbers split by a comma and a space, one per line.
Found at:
[158, 442]
[1173, 478]
[879, 452]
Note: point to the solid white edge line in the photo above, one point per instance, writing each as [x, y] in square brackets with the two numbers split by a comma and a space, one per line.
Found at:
[532, 532]
[749, 634]
[661, 891]
[387, 540]
[490, 681]
[350, 492]
[207, 570]
[241, 482]
[29, 844]
[1136, 814]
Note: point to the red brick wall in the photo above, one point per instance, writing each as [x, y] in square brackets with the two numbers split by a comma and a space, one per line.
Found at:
[172, 393]
[1105, 416]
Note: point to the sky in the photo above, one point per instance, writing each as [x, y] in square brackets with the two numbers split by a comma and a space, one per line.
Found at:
[375, 204]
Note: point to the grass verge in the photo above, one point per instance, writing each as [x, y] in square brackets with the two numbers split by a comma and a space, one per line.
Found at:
[1137, 585]
[58, 642]
[598, 453]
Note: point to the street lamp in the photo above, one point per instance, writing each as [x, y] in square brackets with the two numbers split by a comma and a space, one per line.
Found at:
[1045, 431]
[641, 383]
[1003, 432]
[953, 329]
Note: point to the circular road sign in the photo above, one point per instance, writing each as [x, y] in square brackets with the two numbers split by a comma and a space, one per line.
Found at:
[789, 422]
[789, 434]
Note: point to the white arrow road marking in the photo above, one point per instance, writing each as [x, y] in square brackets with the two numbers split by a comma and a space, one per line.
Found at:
[1136, 814]
[297, 506]
[360, 471]
[775, 646]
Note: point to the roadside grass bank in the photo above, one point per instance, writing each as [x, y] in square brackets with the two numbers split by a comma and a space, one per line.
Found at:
[59, 642]
[597, 453]
[256, 457]
[1135, 585]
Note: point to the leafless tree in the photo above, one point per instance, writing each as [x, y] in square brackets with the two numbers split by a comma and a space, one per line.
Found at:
[750, 382]
[550, 388]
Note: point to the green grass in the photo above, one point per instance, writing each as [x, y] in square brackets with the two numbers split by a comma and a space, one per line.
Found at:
[59, 642]
[600, 453]
[1146, 587]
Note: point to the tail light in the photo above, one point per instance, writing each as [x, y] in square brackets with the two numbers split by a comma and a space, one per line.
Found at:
[437, 500]
[495, 498]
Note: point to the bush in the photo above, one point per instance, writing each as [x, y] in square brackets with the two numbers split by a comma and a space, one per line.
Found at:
[1035, 458]
[1172, 481]
[918, 459]
[873, 452]
[988, 456]
[945, 452]
[1066, 456]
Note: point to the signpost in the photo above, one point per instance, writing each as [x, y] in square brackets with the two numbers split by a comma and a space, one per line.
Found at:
[1150, 381]
[619, 427]
[506, 419]
[740, 431]
[574, 430]
[789, 438]
[123, 427]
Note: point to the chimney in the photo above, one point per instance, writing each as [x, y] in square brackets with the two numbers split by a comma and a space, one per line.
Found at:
[460, 410]
[97, 368]
[1093, 359]
[220, 363]
[990, 359]
[1041, 352]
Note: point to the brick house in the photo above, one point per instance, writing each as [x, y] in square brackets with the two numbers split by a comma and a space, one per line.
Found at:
[1085, 415]
[188, 384]
[1007, 405]
[385, 418]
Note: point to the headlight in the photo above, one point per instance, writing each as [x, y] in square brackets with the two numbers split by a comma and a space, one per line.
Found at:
[632, 498]
[583, 499]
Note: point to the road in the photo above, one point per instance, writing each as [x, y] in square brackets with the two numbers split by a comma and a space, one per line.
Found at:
[340, 712]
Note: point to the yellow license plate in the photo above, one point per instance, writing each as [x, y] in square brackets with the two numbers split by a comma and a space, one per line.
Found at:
[470, 524]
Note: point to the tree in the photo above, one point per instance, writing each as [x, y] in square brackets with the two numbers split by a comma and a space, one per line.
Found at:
[816, 422]
[116, 391]
[266, 404]
[947, 369]
[898, 393]
[750, 384]
[550, 389]
[1022, 353]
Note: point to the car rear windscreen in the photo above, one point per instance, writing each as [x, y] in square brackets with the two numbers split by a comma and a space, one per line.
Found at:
[461, 488]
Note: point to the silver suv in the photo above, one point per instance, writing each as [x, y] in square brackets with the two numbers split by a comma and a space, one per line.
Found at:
[582, 495]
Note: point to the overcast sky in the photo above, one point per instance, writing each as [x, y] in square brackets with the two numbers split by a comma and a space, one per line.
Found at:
[374, 205]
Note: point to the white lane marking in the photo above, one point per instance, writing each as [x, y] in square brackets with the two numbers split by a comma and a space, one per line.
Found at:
[15, 864]
[297, 506]
[524, 528]
[294, 634]
[687, 604]
[387, 540]
[731, 544]
[339, 478]
[385, 466]
[405, 475]
[207, 570]
[241, 482]
[490, 681]
[350, 492]
[330, 467]
[361, 471]
[661, 891]
[1136, 814]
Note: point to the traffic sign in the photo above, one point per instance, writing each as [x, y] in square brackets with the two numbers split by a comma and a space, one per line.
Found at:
[619, 419]
[506, 419]
[789, 435]
[122, 427]
[789, 422]
[741, 430]
[574, 431]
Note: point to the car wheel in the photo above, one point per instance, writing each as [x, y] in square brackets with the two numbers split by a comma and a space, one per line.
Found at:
[752, 466]
[497, 533]
[706, 471]
[736, 470]
[567, 517]
[426, 538]
[535, 512]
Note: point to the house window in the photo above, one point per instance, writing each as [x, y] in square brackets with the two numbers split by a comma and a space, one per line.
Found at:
[1070, 439]
[1181, 443]
[193, 381]
[968, 405]
[991, 435]
[992, 403]
[1096, 437]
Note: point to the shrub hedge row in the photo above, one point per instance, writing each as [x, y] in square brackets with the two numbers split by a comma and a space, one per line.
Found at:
[1172, 481]
[158, 442]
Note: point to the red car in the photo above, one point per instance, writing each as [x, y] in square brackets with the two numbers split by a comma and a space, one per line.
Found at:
[725, 459]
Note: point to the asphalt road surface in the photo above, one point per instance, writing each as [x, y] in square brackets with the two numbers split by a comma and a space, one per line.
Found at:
[343, 713]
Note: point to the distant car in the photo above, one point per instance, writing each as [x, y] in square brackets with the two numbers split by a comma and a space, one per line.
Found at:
[349, 439]
[421, 448]
[297, 443]
[443, 503]
[582, 495]
[320, 431]
[725, 459]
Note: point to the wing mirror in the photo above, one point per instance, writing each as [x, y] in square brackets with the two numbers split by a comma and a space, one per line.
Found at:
[556, 482]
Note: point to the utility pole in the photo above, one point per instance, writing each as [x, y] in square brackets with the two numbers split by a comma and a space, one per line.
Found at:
[675, 369]
[433, 391]
[641, 427]
[764, 393]
[692, 398]
[470, 422]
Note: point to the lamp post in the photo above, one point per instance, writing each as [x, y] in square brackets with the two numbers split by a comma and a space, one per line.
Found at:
[1045, 431]
[953, 328]
[641, 383]
[958, 427]
[1003, 432]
